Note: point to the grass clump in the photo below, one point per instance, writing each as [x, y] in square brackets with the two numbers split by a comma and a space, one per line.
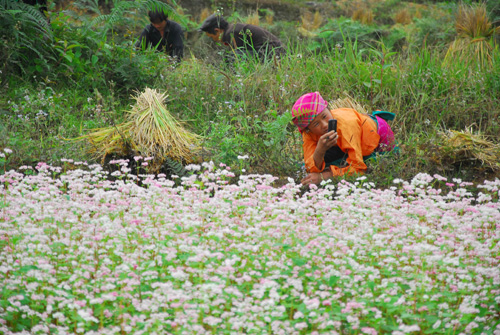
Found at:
[403, 17]
[475, 41]
[150, 131]
[241, 108]
[467, 147]
[310, 23]
[363, 15]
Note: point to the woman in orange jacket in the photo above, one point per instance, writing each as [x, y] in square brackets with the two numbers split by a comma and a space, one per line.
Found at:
[336, 153]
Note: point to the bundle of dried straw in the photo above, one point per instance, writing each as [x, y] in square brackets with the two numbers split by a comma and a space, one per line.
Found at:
[150, 131]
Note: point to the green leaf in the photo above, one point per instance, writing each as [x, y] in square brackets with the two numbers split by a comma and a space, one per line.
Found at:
[333, 280]
[73, 46]
[286, 247]
[299, 261]
[26, 268]
[57, 247]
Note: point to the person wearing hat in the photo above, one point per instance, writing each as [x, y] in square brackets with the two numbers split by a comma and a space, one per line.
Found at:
[243, 39]
[336, 153]
[163, 35]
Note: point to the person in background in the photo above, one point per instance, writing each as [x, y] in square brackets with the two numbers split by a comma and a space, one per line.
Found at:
[336, 153]
[163, 35]
[243, 39]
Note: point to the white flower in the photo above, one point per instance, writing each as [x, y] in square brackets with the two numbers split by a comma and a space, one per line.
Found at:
[7, 151]
[298, 315]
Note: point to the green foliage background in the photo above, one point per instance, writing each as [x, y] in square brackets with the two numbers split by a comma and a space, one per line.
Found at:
[73, 70]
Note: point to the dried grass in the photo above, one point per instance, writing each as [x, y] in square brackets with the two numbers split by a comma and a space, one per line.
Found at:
[150, 131]
[310, 23]
[205, 12]
[347, 102]
[363, 15]
[253, 19]
[472, 22]
[269, 18]
[474, 44]
[403, 17]
[466, 146]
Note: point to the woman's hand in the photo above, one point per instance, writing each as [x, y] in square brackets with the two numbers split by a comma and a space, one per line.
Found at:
[326, 141]
[311, 178]
[316, 178]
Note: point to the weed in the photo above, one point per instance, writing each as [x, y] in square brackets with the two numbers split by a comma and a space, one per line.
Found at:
[253, 18]
[403, 17]
[363, 15]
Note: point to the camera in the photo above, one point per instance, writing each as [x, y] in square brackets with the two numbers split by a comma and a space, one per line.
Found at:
[332, 125]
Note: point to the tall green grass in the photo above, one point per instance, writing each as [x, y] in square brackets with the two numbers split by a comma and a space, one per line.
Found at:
[243, 108]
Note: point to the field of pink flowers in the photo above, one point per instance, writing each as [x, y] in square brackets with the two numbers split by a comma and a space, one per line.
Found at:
[84, 253]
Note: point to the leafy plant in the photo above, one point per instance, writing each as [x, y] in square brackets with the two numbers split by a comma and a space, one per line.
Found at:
[25, 35]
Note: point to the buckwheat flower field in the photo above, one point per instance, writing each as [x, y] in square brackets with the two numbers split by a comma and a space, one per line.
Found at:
[83, 252]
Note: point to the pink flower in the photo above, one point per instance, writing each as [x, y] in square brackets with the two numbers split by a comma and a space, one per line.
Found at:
[369, 330]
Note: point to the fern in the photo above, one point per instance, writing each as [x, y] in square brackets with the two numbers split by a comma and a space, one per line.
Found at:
[172, 167]
[26, 14]
[122, 7]
[26, 34]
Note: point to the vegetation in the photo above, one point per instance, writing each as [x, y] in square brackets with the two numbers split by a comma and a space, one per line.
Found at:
[235, 244]
[207, 255]
[84, 71]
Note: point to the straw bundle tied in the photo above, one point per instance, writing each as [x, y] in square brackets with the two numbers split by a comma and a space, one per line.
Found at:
[347, 103]
[466, 146]
[106, 141]
[150, 131]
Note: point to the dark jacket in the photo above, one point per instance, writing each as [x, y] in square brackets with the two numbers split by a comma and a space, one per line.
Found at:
[252, 39]
[172, 42]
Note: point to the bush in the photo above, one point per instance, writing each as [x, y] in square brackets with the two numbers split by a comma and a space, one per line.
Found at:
[25, 38]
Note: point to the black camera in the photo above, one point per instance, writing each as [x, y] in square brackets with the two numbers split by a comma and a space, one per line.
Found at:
[332, 125]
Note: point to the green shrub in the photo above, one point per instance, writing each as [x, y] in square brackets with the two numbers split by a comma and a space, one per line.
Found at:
[25, 36]
[434, 32]
[337, 32]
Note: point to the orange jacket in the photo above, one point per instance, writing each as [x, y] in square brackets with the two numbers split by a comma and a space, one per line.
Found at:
[357, 136]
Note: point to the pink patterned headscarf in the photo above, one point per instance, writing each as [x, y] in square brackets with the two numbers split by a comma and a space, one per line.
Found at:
[306, 108]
